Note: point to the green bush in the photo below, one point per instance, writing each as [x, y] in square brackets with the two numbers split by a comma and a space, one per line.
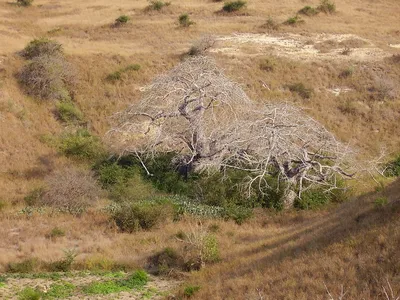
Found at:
[24, 2]
[34, 196]
[142, 215]
[60, 290]
[29, 294]
[121, 20]
[81, 145]
[327, 7]
[210, 249]
[184, 20]
[25, 266]
[300, 89]
[293, 21]
[393, 168]
[233, 6]
[190, 290]
[118, 75]
[308, 11]
[157, 5]
[111, 174]
[238, 213]
[64, 264]
[42, 46]
[312, 199]
[381, 202]
[68, 112]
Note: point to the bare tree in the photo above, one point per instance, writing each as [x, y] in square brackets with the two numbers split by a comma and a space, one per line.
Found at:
[208, 120]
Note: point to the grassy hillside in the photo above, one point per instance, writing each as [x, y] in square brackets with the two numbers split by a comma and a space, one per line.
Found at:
[342, 68]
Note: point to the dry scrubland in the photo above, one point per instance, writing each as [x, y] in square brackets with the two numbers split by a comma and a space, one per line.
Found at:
[351, 83]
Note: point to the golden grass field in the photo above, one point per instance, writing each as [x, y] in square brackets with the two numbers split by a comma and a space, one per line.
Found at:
[292, 255]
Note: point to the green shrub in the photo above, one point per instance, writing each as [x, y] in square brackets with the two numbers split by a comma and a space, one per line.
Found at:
[81, 145]
[113, 174]
[267, 65]
[393, 168]
[34, 196]
[293, 21]
[121, 20]
[64, 264]
[42, 46]
[327, 7]
[24, 2]
[271, 24]
[233, 6]
[118, 75]
[381, 202]
[29, 294]
[68, 112]
[312, 199]
[55, 233]
[144, 215]
[184, 20]
[308, 11]
[300, 89]
[190, 290]
[48, 77]
[157, 5]
[25, 266]
[238, 213]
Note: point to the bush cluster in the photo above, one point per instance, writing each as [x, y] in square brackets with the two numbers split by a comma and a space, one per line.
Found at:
[233, 6]
[184, 20]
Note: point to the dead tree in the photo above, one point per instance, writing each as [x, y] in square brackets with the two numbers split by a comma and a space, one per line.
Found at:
[197, 112]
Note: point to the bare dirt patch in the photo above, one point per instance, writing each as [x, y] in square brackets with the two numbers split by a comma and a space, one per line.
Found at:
[340, 47]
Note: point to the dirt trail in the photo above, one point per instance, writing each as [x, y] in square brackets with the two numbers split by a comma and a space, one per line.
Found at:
[339, 47]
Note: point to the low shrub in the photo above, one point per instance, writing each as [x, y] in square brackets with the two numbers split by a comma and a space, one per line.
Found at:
[34, 196]
[308, 11]
[267, 65]
[233, 6]
[381, 202]
[210, 249]
[48, 77]
[29, 293]
[184, 20]
[201, 46]
[55, 233]
[25, 266]
[81, 145]
[327, 7]
[312, 199]
[112, 173]
[300, 89]
[71, 190]
[64, 264]
[293, 21]
[393, 168]
[24, 2]
[42, 46]
[118, 75]
[68, 112]
[165, 261]
[157, 5]
[237, 213]
[190, 290]
[121, 20]
[141, 216]
[270, 24]
[60, 290]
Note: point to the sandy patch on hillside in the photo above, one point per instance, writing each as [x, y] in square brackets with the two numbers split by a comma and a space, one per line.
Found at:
[301, 47]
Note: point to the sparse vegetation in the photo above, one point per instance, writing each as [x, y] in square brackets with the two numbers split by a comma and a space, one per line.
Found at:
[121, 20]
[24, 2]
[42, 46]
[190, 290]
[294, 21]
[271, 24]
[157, 5]
[29, 294]
[267, 65]
[184, 20]
[327, 7]
[118, 75]
[308, 11]
[68, 112]
[201, 46]
[300, 89]
[233, 6]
